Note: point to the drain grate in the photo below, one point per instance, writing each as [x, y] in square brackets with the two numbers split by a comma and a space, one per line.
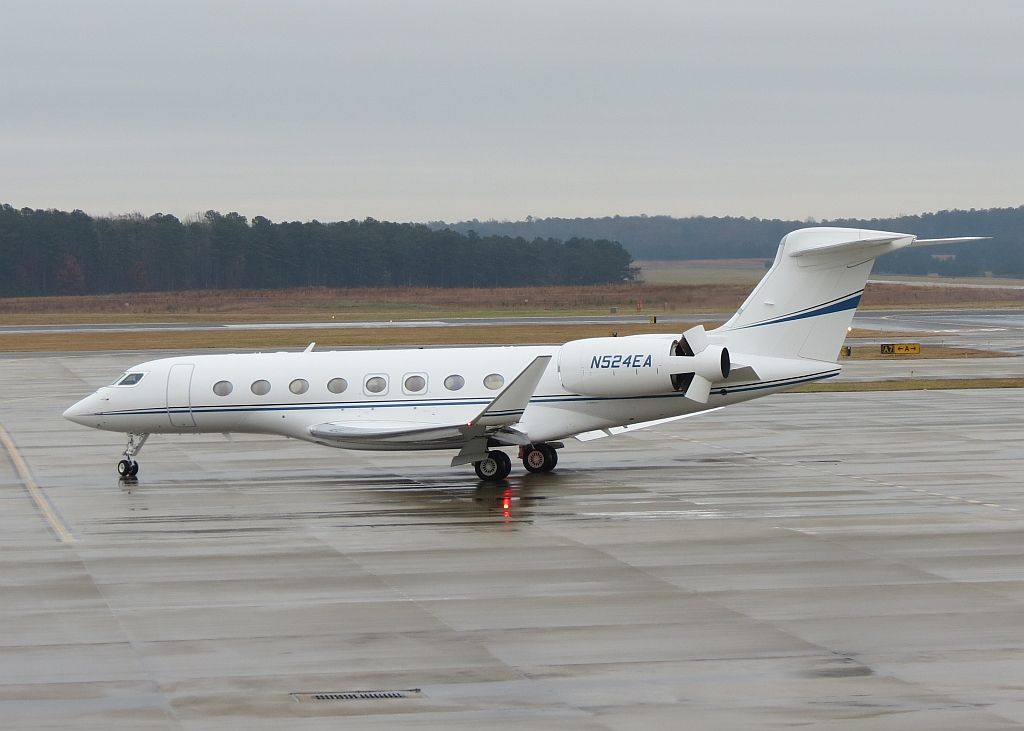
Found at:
[358, 695]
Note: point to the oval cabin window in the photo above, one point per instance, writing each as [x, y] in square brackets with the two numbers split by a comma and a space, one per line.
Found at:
[454, 382]
[223, 388]
[494, 381]
[415, 384]
[260, 387]
[337, 385]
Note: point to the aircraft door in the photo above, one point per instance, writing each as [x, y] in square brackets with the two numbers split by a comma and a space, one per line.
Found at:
[179, 403]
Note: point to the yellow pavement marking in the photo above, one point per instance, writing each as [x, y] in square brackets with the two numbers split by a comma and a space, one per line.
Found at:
[34, 491]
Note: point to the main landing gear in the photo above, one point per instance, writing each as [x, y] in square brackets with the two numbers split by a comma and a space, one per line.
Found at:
[538, 457]
[495, 466]
[128, 468]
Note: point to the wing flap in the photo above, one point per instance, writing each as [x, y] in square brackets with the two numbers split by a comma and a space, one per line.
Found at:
[388, 433]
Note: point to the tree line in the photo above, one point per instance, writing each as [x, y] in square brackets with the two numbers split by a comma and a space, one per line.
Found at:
[46, 252]
[702, 237]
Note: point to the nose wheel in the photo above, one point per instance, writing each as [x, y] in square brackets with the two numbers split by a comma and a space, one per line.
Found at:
[128, 468]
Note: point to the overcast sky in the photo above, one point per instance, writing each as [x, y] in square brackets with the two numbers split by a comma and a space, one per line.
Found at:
[453, 110]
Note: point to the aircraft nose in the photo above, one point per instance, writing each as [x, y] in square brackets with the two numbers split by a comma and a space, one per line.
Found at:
[82, 412]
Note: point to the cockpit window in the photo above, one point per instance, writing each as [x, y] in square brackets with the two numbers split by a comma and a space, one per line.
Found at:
[129, 379]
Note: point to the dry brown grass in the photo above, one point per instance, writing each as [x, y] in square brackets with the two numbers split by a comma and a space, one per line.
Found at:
[325, 338]
[881, 295]
[318, 303]
[366, 304]
[387, 336]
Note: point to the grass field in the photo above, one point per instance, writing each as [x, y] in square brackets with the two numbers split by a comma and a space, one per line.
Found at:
[324, 304]
[374, 303]
[703, 271]
[688, 288]
[749, 271]
[391, 336]
[325, 338]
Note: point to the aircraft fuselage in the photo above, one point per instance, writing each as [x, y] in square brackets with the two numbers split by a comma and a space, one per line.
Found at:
[287, 393]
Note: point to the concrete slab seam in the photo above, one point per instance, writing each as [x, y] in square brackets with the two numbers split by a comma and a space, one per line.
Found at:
[39, 498]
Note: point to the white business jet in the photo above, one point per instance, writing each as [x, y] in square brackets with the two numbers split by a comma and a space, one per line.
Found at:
[480, 401]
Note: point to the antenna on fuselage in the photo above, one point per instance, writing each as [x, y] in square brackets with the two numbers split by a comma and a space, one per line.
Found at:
[309, 348]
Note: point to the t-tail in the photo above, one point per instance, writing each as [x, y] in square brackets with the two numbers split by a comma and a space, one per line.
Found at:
[804, 305]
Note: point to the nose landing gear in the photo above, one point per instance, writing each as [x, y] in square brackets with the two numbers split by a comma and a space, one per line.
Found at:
[128, 468]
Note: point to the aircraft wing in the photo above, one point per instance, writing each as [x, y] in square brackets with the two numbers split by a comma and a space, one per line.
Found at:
[509, 405]
[495, 420]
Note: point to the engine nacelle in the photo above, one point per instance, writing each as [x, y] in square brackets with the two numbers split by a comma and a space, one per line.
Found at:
[641, 365]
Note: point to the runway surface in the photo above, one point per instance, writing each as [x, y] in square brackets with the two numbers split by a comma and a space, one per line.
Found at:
[830, 560]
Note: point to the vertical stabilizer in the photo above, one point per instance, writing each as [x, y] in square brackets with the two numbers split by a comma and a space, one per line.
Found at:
[804, 305]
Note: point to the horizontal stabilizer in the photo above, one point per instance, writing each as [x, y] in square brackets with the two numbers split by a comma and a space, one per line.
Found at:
[878, 243]
[958, 240]
[849, 245]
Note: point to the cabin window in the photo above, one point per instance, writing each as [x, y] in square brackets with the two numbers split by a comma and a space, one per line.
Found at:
[223, 388]
[260, 387]
[376, 384]
[337, 385]
[129, 379]
[299, 385]
[415, 384]
[494, 381]
[454, 382]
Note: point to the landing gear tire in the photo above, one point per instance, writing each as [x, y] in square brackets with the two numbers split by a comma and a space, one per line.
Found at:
[496, 466]
[540, 457]
[127, 468]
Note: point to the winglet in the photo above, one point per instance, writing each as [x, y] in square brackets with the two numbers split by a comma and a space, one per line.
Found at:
[508, 406]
